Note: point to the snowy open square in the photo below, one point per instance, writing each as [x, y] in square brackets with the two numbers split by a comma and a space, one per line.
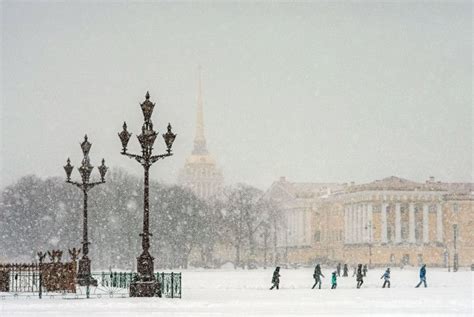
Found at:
[246, 293]
[223, 158]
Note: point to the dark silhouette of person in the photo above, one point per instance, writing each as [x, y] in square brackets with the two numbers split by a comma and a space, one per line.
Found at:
[345, 271]
[317, 276]
[360, 276]
[276, 279]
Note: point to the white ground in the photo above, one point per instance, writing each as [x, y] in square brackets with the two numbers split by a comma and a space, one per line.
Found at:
[245, 293]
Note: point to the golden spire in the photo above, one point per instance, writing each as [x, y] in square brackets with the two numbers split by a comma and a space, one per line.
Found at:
[199, 139]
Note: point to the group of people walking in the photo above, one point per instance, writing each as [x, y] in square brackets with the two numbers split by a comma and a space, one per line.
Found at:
[360, 271]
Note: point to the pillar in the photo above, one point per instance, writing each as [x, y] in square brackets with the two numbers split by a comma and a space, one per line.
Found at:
[411, 223]
[346, 225]
[439, 223]
[349, 223]
[359, 223]
[426, 222]
[398, 224]
[365, 227]
[370, 219]
[383, 215]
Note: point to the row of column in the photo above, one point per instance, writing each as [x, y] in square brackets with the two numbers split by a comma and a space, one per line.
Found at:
[358, 223]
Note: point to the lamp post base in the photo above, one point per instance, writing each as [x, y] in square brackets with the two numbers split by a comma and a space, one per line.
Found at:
[145, 289]
[146, 284]
[84, 276]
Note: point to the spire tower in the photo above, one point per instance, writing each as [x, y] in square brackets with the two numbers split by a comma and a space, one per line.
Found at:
[200, 147]
[200, 172]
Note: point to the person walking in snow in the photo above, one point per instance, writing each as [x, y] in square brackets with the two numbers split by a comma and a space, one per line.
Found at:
[276, 278]
[355, 270]
[386, 277]
[360, 276]
[317, 276]
[346, 271]
[333, 280]
[422, 276]
[364, 270]
[338, 269]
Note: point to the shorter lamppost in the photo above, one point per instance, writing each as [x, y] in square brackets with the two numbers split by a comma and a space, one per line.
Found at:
[84, 276]
[41, 257]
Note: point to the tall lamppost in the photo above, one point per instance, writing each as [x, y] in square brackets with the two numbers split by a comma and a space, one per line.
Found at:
[146, 284]
[84, 277]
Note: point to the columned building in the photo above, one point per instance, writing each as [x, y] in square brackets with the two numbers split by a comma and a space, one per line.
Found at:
[392, 221]
[200, 173]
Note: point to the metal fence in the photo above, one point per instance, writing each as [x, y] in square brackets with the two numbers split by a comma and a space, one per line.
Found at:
[25, 284]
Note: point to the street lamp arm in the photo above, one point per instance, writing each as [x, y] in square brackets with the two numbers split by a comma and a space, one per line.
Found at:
[135, 156]
[80, 185]
[155, 158]
[140, 159]
[91, 185]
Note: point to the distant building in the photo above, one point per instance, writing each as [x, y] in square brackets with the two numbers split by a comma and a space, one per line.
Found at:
[200, 172]
[392, 221]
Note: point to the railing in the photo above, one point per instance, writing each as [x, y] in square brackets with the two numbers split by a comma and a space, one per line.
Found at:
[19, 278]
[25, 284]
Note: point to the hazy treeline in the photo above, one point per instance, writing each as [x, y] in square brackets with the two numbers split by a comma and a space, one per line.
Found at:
[43, 214]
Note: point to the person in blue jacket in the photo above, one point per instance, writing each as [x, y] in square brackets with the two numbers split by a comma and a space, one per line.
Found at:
[422, 276]
[334, 280]
[386, 277]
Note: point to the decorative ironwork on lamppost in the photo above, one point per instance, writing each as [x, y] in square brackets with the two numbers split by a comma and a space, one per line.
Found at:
[84, 277]
[146, 284]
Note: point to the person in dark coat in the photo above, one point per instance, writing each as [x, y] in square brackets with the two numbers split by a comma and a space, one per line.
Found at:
[333, 280]
[364, 270]
[346, 271]
[338, 269]
[422, 276]
[276, 278]
[360, 276]
[317, 276]
[386, 277]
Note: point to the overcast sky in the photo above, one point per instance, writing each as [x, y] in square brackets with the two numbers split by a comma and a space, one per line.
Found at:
[311, 91]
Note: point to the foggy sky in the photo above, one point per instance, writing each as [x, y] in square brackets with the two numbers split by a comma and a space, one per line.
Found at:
[311, 91]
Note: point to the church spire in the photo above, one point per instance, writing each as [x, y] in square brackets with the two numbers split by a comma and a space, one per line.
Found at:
[199, 139]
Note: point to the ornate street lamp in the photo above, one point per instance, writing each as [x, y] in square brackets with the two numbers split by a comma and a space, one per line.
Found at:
[84, 277]
[146, 285]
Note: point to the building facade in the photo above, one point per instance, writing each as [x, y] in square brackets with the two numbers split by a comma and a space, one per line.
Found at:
[200, 173]
[392, 221]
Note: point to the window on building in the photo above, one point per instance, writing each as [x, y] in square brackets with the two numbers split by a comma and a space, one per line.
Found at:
[455, 207]
[404, 231]
[317, 236]
[392, 258]
[420, 258]
[389, 233]
[406, 259]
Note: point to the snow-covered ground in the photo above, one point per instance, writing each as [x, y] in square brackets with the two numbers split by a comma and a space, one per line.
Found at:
[245, 293]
